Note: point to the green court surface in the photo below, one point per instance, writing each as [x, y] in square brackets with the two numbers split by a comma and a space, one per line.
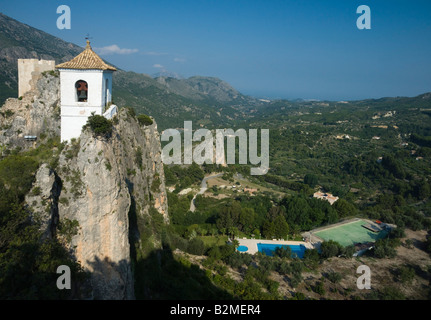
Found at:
[350, 233]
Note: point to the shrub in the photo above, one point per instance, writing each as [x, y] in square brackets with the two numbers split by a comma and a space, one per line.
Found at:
[138, 157]
[68, 228]
[131, 172]
[406, 274]
[17, 172]
[108, 165]
[384, 248]
[36, 191]
[330, 249]
[319, 288]
[391, 293]
[130, 112]
[9, 113]
[196, 246]
[298, 296]
[283, 252]
[144, 120]
[155, 186]
[99, 125]
[63, 201]
[334, 277]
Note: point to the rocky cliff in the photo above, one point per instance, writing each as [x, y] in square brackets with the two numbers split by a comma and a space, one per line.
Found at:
[37, 113]
[102, 180]
[87, 196]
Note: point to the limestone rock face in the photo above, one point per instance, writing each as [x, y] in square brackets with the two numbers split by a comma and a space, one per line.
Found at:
[102, 180]
[97, 185]
[36, 113]
[42, 200]
[138, 148]
[98, 199]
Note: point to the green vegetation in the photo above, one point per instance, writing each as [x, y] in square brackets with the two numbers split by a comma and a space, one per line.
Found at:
[73, 149]
[99, 125]
[374, 178]
[27, 263]
[52, 73]
[144, 120]
[155, 186]
[183, 177]
[68, 228]
[138, 157]
[108, 165]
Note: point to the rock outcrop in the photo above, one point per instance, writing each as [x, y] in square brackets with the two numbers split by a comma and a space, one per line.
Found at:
[104, 178]
[98, 200]
[37, 113]
[42, 201]
[87, 199]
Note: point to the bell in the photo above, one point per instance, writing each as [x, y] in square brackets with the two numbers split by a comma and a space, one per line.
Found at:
[83, 94]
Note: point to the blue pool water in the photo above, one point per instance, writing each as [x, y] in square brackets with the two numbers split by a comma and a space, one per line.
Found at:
[269, 249]
[242, 249]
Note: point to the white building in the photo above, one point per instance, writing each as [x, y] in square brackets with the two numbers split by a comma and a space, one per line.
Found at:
[325, 196]
[85, 87]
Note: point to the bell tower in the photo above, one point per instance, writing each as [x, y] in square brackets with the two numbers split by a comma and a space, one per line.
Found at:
[85, 87]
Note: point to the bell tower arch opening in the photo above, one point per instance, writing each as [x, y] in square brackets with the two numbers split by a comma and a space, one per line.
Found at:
[81, 91]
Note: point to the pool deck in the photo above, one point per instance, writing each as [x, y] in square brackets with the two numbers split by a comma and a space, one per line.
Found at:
[251, 244]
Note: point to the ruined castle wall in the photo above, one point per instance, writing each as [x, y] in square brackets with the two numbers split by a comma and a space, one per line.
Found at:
[29, 70]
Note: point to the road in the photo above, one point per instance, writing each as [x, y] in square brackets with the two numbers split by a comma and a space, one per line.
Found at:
[204, 187]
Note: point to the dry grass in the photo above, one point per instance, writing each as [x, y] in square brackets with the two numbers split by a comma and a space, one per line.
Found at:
[383, 274]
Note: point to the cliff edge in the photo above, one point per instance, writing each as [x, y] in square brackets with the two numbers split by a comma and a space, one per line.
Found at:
[88, 194]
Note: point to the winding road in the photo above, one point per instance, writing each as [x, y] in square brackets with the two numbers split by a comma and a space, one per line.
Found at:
[203, 189]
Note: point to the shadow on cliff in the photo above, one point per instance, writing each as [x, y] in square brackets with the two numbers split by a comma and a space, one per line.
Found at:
[110, 280]
[157, 274]
[160, 276]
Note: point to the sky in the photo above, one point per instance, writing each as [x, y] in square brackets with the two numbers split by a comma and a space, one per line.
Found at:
[309, 49]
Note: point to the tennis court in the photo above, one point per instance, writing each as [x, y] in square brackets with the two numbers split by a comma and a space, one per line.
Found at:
[350, 233]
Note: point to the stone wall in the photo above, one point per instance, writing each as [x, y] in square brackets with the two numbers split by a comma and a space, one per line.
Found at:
[36, 113]
[29, 71]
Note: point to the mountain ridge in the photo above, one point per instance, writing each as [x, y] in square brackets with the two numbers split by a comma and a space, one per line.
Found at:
[207, 101]
[197, 98]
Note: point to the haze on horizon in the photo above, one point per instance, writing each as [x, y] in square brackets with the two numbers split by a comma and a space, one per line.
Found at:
[269, 49]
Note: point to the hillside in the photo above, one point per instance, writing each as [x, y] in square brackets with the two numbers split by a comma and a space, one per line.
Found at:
[169, 108]
[202, 88]
[20, 41]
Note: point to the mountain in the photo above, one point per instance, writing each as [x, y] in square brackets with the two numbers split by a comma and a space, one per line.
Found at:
[202, 88]
[167, 74]
[206, 101]
[20, 41]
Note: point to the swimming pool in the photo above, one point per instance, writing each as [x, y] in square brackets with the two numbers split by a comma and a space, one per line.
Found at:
[269, 249]
[242, 249]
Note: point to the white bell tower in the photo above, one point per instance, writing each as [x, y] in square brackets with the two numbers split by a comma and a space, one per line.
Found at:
[85, 87]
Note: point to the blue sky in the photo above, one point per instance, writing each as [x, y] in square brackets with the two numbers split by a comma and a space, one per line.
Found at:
[275, 49]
